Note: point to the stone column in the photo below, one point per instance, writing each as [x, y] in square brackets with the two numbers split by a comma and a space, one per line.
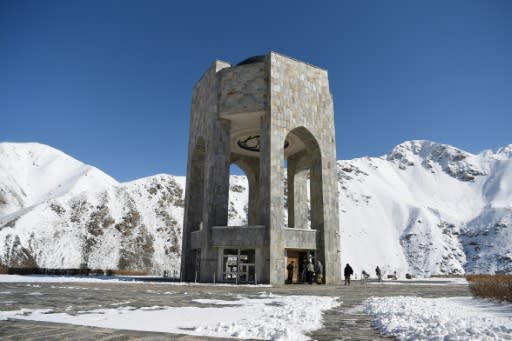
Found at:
[331, 218]
[317, 206]
[216, 194]
[193, 214]
[298, 208]
[267, 197]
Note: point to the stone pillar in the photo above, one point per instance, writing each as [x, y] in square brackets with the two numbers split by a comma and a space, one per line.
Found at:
[193, 214]
[332, 233]
[254, 201]
[290, 181]
[298, 206]
[317, 207]
[216, 195]
[267, 198]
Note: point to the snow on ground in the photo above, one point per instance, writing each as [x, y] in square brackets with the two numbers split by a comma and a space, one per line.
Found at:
[103, 279]
[446, 318]
[426, 281]
[68, 279]
[265, 317]
[277, 317]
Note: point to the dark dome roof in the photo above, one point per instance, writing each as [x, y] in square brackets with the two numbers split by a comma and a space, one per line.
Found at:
[253, 59]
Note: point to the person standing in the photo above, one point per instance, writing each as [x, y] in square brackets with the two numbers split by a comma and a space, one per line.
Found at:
[303, 271]
[379, 273]
[319, 272]
[364, 277]
[348, 272]
[290, 272]
[311, 272]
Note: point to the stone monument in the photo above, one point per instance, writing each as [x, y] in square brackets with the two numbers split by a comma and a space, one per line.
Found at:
[272, 116]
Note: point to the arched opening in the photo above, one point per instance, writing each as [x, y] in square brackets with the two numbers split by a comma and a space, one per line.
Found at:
[238, 204]
[304, 201]
[303, 185]
[250, 167]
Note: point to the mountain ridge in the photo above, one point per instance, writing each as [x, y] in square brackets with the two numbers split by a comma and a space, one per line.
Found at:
[428, 197]
[423, 208]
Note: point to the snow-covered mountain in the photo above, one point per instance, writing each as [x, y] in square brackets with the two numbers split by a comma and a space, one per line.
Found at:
[427, 208]
[424, 208]
[56, 212]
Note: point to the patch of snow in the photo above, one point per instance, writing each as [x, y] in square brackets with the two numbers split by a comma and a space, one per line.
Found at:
[108, 279]
[272, 317]
[425, 281]
[447, 318]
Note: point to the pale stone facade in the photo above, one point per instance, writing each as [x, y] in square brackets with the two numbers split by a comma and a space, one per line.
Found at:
[268, 114]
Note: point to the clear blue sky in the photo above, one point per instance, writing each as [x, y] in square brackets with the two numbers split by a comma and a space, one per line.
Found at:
[109, 82]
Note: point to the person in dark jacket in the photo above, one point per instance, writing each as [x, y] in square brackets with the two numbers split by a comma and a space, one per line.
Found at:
[378, 273]
[348, 272]
[290, 272]
[319, 270]
[303, 271]
[311, 272]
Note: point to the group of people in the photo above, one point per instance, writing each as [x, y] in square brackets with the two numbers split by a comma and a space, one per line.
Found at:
[364, 275]
[309, 272]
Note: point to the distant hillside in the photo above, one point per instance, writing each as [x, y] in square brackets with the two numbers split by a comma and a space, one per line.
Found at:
[56, 212]
[428, 208]
[424, 208]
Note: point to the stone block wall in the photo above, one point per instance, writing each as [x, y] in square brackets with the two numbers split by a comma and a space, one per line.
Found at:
[243, 89]
[288, 96]
[300, 97]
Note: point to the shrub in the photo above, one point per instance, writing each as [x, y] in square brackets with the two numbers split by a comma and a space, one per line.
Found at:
[491, 286]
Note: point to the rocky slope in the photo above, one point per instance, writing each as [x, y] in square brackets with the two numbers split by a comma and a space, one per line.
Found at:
[56, 212]
[428, 208]
[423, 208]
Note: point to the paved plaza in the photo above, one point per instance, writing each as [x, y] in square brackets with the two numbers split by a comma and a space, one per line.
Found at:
[344, 322]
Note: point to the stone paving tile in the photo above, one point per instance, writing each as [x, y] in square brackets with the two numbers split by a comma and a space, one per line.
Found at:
[344, 322]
